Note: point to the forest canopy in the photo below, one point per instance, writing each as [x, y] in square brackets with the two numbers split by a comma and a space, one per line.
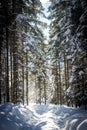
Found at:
[34, 70]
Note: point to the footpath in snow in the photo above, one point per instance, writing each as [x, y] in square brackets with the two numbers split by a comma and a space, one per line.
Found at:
[42, 117]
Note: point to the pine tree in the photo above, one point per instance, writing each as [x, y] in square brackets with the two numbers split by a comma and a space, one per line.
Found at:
[78, 20]
[59, 38]
[18, 16]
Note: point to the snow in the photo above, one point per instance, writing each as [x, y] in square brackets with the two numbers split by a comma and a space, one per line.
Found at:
[56, 1]
[81, 72]
[69, 57]
[42, 117]
[20, 17]
[68, 31]
[44, 1]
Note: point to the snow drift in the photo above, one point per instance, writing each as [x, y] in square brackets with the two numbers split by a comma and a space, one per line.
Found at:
[42, 117]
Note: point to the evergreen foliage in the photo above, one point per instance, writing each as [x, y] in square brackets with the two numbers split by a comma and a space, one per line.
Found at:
[21, 39]
[56, 70]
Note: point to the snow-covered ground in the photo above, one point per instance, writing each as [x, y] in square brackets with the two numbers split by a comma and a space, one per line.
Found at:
[42, 117]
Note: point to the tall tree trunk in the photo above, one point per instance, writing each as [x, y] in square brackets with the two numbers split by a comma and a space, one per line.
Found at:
[7, 49]
[15, 67]
[65, 74]
[0, 67]
[22, 76]
[7, 73]
[11, 69]
[57, 78]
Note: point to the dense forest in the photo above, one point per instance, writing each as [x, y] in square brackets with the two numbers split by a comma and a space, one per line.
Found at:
[34, 70]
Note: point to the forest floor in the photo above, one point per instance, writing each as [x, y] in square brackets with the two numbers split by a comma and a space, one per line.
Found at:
[42, 117]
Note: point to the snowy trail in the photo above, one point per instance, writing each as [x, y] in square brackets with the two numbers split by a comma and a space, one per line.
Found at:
[52, 117]
[42, 117]
[46, 119]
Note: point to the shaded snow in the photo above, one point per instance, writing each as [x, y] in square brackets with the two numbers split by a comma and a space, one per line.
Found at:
[81, 72]
[42, 117]
[20, 17]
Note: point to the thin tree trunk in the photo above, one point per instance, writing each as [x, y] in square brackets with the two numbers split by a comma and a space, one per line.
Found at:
[7, 47]
[65, 73]
[27, 79]
[11, 69]
[60, 84]
[57, 78]
[7, 68]
[15, 68]
[57, 85]
[23, 84]
[0, 68]
[39, 86]
[22, 76]
[36, 92]
[45, 90]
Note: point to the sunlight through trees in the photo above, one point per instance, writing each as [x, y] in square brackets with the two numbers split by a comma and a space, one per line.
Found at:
[35, 68]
